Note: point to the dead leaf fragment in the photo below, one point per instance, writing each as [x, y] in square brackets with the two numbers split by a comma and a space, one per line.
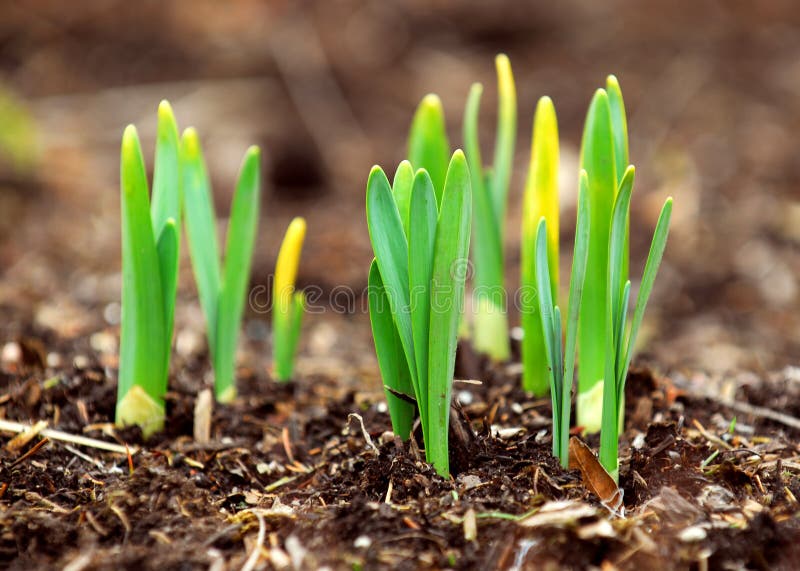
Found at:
[21, 439]
[559, 513]
[596, 479]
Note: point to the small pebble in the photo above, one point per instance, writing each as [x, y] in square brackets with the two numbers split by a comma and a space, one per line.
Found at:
[188, 342]
[112, 313]
[517, 333]
[381, 407]
[469, 481]
[80, 362]
[465, 397]
[693, 534]
[103, 342]
[297, 553]
[12, 352]
[362, 542]
[54, 360]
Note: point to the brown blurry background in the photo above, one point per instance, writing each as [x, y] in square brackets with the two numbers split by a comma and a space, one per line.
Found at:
[328, 88]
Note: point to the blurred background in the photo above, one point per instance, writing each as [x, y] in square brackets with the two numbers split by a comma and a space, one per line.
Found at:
[328, 89]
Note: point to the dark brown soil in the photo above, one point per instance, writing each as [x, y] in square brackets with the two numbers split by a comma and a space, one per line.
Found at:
[291, 461]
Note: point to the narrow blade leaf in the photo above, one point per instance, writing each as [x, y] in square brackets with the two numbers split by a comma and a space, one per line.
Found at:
[657, 247]
[389, 350]
[143, 338]
[596, 159]
[201, 230]
[447, 297]
[576, 284]
[422, 237]
[285, 300]
[506, 137]
[391, 252]
[401, 189]
[540, 200]
[428, 146]
[240, 242]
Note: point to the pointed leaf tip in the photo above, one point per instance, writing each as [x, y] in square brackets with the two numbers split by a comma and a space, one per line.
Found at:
[297, 225]
[130, 136]
[545, 102]
[600, 93]
[190, 141]
[433, 102]
[253, 151]
[165, 110]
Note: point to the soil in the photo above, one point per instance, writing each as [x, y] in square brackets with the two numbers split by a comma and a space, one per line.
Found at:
[307, 475]
[290, 464]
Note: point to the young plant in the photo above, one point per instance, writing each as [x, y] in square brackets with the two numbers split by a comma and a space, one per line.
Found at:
[490, 192]
[604, 156]
[618, 346]
[540, 201]
[560, 362]
[150, 245]
[222, 287]
[287, 304]
[416, 294]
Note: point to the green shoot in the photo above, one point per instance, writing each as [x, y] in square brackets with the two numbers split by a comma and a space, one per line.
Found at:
[150, 248]
[287, 304]
[428, 148]
[604, 156]
[416, 293]
[540, 200]
[561, 363]
[619, 349]
[490, 192]
[222, 287]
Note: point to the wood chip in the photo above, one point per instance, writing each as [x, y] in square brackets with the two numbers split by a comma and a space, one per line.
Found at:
[470, 526]
[203, 407]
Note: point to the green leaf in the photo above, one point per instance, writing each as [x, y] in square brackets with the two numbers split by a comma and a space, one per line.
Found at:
[657, 247]
[491, 330]
[240, 242]
[558, 403]
[619, 130]
[576, 284]
[506, 137]
[619, 125]
[166, 207]
[597, 159]
[428, 146]
[391, 360]
[447, 297]
[143, 347]
[167, 249]
[617, 242]
[401, 189]
[422, 236]
[619, 343]
[287, 304]
[615, 325]
[540, 200]
[552, 340]
[391, 252]
[201, 230]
